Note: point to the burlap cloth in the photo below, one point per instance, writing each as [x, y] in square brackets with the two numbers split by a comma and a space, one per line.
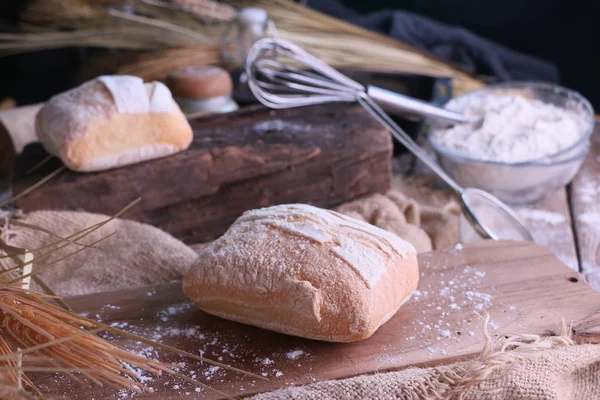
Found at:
[532, 368]
[523, 367]
[136, 255]
[428, 218]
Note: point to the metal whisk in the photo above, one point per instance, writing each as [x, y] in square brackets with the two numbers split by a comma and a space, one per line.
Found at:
[282, 75]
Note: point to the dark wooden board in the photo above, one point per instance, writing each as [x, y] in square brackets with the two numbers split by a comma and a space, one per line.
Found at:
[322, 155]
[522, 286]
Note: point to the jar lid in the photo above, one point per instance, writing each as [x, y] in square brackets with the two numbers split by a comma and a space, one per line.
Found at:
[200, 82]
[253, 15]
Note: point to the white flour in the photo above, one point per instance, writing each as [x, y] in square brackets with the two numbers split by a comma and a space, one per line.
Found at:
[541, 216]
[295, 354]
[514, 128]
[590, 218]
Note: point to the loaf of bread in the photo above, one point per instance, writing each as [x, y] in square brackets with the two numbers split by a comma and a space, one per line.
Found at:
[112, 121]
[304, 271]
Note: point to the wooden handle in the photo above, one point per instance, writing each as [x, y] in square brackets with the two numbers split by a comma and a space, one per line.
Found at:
[19, 124]
[17, 130]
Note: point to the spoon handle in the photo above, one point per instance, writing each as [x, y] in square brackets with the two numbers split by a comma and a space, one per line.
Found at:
[401, 104]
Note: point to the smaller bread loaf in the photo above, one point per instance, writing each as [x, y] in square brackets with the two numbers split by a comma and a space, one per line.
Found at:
[304, 271]
[200, 82]
[112, 121]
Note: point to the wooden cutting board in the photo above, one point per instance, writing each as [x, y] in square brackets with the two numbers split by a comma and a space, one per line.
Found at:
[523, 287]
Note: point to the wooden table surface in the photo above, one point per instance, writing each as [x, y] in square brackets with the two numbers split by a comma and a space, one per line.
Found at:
[568, 221]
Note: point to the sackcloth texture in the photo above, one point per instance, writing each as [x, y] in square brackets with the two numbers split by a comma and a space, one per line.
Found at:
[136, 255]
[550, 368]
[426, 227]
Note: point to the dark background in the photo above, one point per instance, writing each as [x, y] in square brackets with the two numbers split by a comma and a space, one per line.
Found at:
[559, 31]
[562, 32]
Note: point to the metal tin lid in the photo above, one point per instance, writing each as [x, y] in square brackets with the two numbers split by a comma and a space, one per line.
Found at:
[200, 82]
[252, 15]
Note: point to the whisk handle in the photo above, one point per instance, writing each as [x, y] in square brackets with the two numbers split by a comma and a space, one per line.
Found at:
[379, 114]
[400, 104]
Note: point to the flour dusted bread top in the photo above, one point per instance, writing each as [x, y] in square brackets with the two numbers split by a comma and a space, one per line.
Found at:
[112, 121]
[304, 271]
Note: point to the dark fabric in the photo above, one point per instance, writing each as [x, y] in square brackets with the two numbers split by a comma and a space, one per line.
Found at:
[470, 51]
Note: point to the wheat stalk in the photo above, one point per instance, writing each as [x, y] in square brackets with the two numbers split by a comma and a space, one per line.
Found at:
[8, 376]
[27, 320]
[157, 65]
[204, 9]
[63, 341]
[336, 42]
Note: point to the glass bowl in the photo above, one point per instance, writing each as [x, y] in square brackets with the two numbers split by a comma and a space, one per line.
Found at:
[528, 181]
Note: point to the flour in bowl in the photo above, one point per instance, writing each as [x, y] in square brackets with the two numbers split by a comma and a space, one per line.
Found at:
[514, 129]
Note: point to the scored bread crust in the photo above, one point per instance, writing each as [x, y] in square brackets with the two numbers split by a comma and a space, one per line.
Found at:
[85, 128]
[304, 271]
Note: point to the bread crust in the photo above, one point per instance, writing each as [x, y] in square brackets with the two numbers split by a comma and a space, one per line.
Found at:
[304, 271]
[89, 129]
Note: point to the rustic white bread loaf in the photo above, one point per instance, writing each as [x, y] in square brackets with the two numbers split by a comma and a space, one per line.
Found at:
[304, 271]
[112, 121]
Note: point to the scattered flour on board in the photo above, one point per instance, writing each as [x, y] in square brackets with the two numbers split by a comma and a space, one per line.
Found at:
[209, 343]
[294, 355]
[165, 315]
[192, 332]
[445, 333]
[264, 361]
[140, 373]
[210, 372]
[440, 325]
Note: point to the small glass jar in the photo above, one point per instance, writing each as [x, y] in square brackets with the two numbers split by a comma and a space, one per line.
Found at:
[241, 34]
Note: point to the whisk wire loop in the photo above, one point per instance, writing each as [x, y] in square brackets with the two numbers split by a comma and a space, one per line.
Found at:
[276, 81]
